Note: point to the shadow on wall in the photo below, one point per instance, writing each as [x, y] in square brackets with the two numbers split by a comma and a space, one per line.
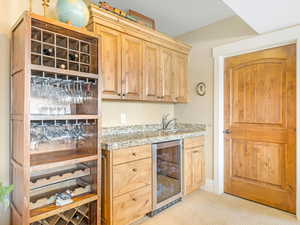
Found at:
[4, 117]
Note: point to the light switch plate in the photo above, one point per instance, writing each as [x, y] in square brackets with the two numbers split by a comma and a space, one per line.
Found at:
[123, 118]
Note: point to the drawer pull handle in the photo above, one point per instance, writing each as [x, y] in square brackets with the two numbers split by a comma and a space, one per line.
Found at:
[134, 199]
[134, 154]
[134, 170]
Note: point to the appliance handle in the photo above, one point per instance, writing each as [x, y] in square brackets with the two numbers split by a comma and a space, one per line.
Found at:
[168, 144]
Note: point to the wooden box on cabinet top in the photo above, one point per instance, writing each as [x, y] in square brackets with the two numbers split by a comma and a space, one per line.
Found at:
[194, 166]
[127, 185]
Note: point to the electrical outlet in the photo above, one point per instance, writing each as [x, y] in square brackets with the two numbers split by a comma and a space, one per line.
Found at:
[123, 118]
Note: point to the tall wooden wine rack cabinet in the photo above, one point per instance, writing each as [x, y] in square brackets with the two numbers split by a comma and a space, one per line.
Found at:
[55, 123]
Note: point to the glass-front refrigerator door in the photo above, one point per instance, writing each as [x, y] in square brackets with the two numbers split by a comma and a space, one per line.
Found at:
[168, 176]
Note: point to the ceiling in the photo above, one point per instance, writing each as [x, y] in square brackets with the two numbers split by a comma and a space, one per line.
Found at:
[267, 15]
[175, 17]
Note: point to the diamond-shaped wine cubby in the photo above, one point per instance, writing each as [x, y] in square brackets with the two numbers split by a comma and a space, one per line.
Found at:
[76, 216]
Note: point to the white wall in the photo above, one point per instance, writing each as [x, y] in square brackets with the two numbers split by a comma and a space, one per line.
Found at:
[136, 113]
[200, 109]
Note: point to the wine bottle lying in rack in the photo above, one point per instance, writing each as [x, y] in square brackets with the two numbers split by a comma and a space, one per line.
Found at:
[48, 51]
[73, 56]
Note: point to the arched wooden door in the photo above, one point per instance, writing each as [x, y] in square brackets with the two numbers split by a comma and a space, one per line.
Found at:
[260, 127]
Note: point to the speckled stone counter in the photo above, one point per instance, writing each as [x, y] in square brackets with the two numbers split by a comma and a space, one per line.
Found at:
[128, 136]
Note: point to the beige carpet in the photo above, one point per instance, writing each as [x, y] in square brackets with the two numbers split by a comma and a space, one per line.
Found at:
[203, 208]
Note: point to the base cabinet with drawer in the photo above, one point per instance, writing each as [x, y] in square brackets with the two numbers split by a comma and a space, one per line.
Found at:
[194, 166]
[127, 185]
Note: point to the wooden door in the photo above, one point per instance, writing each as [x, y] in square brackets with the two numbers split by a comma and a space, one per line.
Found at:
[111, 62]
[180, 81]
[151, 71]
[167, 76]
[260, 123]
[132, 49]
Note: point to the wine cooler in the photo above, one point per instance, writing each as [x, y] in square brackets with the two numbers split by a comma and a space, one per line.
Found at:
[167, 174]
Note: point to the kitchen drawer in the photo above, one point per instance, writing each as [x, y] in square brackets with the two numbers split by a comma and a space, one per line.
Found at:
[131, 176]
[131, 154]
[132, 206]
[194, 142]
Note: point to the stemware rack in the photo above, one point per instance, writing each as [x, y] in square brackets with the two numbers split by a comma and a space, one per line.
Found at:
[56, 123]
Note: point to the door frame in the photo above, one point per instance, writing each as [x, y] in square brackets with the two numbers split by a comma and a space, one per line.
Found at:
[253, 44]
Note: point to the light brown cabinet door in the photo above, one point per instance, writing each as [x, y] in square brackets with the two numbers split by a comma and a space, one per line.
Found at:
[111, 62]
[151, 72]
[131, 176]
[194, 176]
[260, 123]
[180, 81]
[132, 49]
[132, 206]
[167, 77]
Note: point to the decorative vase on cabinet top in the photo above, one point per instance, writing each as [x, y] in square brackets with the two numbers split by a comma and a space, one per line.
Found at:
[73, 11]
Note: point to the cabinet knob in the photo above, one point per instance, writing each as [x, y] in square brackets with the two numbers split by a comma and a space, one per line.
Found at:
[134, 154]
[119, 94]
[134, 199]
[134, 170]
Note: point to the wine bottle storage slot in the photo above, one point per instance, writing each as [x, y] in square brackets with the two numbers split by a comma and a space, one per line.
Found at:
[59, 94]
[43, 179]
[66, 52]
[77, 216]
[44, 196]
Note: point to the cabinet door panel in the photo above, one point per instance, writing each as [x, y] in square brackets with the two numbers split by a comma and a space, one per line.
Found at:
[151, 70]
[167, 76]
[131, 176]
[194, 176]
[132, 67]
[132, 206]
[180, 70]
[111, 62]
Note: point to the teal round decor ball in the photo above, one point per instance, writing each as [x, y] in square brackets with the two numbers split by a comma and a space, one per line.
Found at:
[74, 11]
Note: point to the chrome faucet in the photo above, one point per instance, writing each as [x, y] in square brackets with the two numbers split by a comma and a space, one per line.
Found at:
[166, 123]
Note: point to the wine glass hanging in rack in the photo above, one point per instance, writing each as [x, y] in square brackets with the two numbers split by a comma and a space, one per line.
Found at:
[59, 94]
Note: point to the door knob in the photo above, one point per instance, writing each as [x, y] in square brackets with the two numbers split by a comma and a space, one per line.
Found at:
[227, 131]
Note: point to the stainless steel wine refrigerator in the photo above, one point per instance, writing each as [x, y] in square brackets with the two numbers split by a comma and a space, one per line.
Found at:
[167, 175]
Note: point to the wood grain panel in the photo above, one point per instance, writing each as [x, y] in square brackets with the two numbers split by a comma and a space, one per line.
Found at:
[258, 84]
[260, 117]
[131, 154]
[151, 71]
[167, 89]
[18, 94]
[132, 206]
[181, 77]
[194, 169]
[18, 145]
[193, 142]
[132, 67]
[260, 162]
[131, 176]
[111, 62]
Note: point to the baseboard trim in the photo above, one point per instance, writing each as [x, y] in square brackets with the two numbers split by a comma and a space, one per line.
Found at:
[209, 186]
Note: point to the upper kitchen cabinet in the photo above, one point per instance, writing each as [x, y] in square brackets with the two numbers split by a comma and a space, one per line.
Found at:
[111, 62]
[180, 77]
[132, 51]
[139, 63]
[167, 78]
[151, 72]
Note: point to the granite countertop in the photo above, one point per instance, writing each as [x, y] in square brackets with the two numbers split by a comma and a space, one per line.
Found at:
[123, 137]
